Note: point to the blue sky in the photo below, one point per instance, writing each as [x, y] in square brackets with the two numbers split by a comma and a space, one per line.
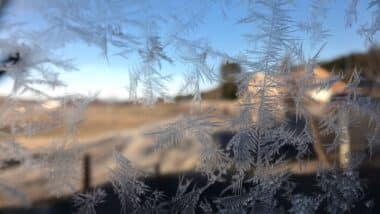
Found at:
[110, 78]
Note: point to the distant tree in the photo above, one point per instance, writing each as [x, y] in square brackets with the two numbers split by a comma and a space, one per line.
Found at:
[228, 72]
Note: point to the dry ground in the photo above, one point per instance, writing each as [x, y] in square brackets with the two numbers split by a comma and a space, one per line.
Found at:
[122, 127]
[107, 127]
[111, 119]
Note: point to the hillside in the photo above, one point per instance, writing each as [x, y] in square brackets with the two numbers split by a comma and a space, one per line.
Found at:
[368, 64]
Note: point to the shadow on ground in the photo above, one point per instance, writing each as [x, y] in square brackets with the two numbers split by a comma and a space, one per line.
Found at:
[168, 184]
[306, 184]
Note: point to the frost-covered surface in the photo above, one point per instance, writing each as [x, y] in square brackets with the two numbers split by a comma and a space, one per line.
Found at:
[268, 90]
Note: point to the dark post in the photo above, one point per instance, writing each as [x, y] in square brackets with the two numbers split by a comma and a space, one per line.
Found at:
[86, 172]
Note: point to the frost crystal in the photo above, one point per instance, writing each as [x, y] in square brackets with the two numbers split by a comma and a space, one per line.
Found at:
[87, 202]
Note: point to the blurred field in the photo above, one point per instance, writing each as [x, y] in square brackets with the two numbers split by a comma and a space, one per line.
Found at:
[123, 127]
[107, 127]
[101, 119]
